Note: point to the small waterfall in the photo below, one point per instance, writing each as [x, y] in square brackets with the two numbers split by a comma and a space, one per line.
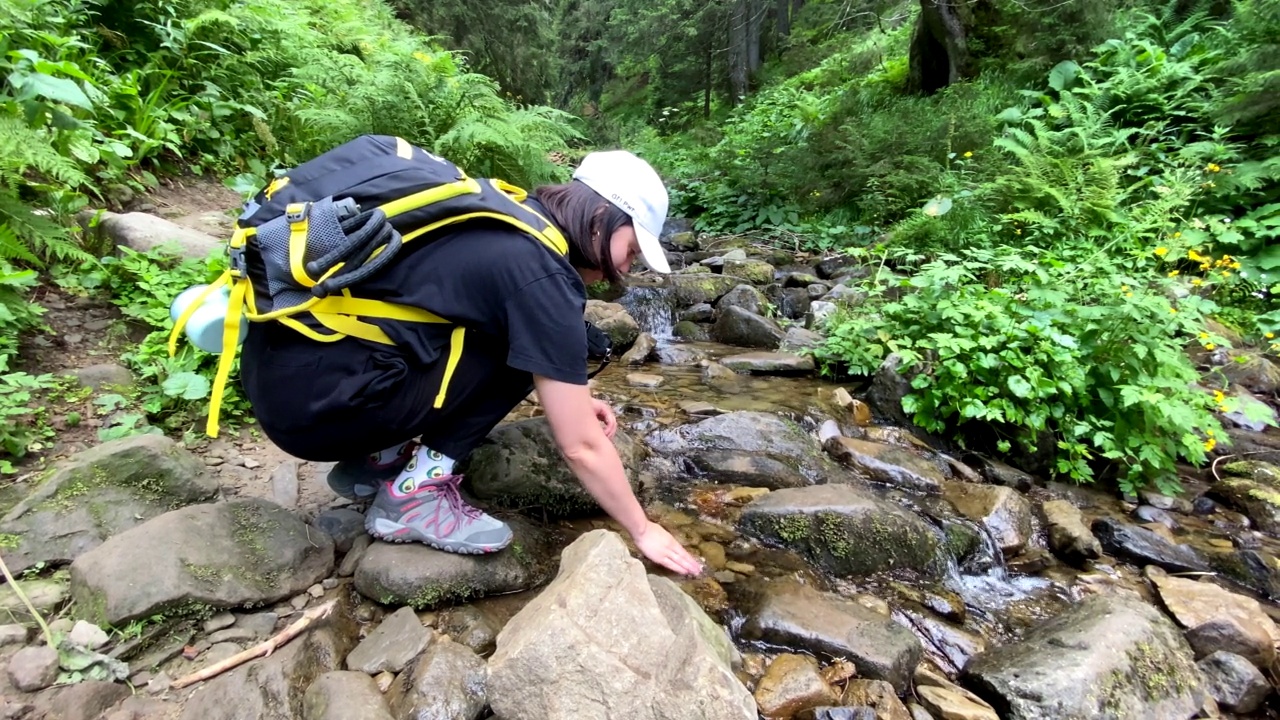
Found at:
[652, 310]
[984, 581]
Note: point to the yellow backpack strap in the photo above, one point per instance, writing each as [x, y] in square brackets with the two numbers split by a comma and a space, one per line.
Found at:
[238, 275]
[190, 310]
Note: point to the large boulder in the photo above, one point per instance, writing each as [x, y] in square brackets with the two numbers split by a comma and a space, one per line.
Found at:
[1253, 371]
[519, 467]
[1234, 682]
[613, 320]
[695, 288]
[748, 448]
[890, 464]
[1253, 488]
[144, 232]
[844, 530]
[1110, 656]
[756, 272]
[424, 578]
[1003, 511]
[769, 363]
[101, 492]
[224, 555]
[736, 326]
[784, 613]
[605, 641]
[1217, 619]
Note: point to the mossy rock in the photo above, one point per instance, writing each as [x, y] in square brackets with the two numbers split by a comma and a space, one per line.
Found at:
[98, 493]
[697, 288]
[756, 272]
[518, 467]
[424, 578]
[844, 530]
[1253, 488]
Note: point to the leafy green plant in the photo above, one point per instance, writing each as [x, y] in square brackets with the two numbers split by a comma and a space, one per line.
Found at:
[24, 423]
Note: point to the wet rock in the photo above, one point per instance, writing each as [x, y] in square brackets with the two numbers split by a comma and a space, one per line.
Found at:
[1156, 516]
[831, 267]
[720, 377]
[877, 695]
[1256, 373]
[948, 646]
[518, 466]
[613, 320]
[87, 635]
[101, 492]
[243, 552]
[680, 354]
[844, 294]
[448, 681]
[700, 313]
[744, 297]
[769, 363]
[342, 524]
[145, 232]
[643, 646]
[756, 272]
[736, 326]
[888, 387]
[469, 627]
[1253, 569]
[693, 289]
[1003, 511]
[790, 303]
[1234, 682]
[816, 291]
[104, 376]
[1252, 487]
[890, 464]
[644, 380]
[33, 668]
[844, 530]
[274, 687]
[790, 685]
[397, 640]
[1164, 502]
[424, 578]
[947, 701]
[641, 350]
[758, 471]
[1108, 656]
[343, 695]
[1217, 619]
[14, 634]
[1144, 547]
[1069, 538]
[786, 614]
[710, 444]
[799, 340]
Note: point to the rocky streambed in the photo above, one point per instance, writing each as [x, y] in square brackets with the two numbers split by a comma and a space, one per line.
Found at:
[853, 571]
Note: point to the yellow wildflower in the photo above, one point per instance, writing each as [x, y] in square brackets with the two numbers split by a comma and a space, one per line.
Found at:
[1128, 294]
[1210, 444]
[1173, 311]
[1173, 273]
[1124, 288]
[1204, 266]
[1226, 273]
[1193, 255]
[1213, 168]
[1209, 433]
[1197, 282]
[1269, 335]
[1161, 251]
[1204, 336]
[1235, 265]
[969, 154]
[1177, 235]
[1209, 346]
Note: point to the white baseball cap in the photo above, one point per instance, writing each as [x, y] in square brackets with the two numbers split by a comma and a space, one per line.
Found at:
[634, 186]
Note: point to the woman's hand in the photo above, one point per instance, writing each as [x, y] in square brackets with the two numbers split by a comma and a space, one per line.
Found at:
[604, 414]
[657, 544]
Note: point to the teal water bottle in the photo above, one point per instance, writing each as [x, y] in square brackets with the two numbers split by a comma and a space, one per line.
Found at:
[205, 326]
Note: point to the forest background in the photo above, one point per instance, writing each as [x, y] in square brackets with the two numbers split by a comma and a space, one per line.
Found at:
[1060, 204]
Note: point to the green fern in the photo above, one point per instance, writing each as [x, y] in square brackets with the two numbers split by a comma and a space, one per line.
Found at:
[29, 163]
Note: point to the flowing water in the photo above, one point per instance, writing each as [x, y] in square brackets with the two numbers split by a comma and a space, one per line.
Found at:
[651, 308]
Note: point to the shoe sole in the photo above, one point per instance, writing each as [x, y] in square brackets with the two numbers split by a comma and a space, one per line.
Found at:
[391, 531]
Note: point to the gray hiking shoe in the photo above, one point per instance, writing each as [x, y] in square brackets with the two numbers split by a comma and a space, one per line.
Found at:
[360, 479]
[434, 513]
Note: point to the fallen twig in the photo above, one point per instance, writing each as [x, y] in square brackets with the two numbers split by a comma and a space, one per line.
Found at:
[262, 649]
[48, 635]
[1213, 467]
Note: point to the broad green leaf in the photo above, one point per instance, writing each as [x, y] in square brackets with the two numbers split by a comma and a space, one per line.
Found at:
[1063, 74]
[938, 206]
[187, 385]
[1019, 386]
[57, 89]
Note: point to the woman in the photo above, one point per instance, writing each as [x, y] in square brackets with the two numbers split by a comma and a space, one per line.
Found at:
[371, 407]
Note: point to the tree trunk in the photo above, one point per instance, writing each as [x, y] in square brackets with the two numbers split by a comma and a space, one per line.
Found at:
[756, 10]
[708, 81]
[738, 72]
[939, 53]
[783, 10]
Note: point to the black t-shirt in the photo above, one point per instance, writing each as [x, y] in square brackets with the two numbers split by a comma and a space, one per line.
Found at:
[495, 280]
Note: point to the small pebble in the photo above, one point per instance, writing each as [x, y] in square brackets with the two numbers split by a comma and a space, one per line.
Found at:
[13, 635]
[87, 635]
[252, 464]
[159, 684]
[329, 583]
[725, 577]
[740, 568]
[364, 613]
[213, 461]
[316, 591]
[262, 624]
[384, 680]
[644, 380]
[232, 634]
[61, 626]
[299, 602]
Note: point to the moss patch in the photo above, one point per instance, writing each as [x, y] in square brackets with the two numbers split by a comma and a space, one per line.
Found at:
[433, 595]
[8, 541]
[1151, 674]
[252, 530]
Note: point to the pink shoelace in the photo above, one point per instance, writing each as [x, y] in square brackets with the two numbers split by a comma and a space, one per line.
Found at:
[448, 487]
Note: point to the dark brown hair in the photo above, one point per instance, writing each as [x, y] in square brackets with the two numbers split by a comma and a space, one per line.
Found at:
[587, 220]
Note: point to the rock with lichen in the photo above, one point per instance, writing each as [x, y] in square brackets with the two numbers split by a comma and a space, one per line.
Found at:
[1253, 488]
[844, 530]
